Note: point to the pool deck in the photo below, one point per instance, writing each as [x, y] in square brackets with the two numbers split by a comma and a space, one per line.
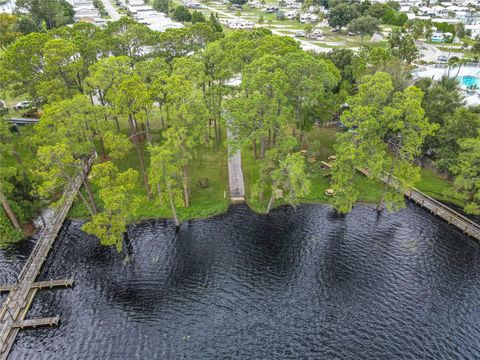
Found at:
[436, 73]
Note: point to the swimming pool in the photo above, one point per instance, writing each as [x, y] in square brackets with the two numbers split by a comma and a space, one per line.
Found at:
[470, 80]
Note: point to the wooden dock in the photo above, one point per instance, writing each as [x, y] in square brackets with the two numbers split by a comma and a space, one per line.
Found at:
[463, 223]
[21, 295]
[437, 208]
[33, 323]
[40, 285]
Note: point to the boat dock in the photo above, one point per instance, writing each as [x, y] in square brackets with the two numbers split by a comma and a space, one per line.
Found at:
[21, 295]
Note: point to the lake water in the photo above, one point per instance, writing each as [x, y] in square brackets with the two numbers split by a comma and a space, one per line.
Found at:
[296, 284]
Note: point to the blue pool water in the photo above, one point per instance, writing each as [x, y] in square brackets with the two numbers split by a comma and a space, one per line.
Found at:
[470, 80]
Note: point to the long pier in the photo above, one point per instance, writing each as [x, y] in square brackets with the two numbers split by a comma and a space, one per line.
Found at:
[21, 295]
[437, 208]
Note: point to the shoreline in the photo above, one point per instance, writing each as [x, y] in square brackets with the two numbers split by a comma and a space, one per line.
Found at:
[280, 205]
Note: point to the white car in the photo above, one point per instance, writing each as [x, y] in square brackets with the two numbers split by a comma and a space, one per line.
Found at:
[25, 104]
[300, 33]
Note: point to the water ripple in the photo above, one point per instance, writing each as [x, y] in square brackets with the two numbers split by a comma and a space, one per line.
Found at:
[303, 283]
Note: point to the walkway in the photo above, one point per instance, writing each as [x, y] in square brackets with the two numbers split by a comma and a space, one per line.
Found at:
[463, 223]
[112, 11]
[235, 174]
[439, 209]
[21, 295]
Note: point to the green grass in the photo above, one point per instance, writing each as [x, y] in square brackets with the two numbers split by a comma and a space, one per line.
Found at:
[10, 101]
[432, 183]
[320, 181]
[288, 27]
[439, 187]
[204, 202]
[370, 191]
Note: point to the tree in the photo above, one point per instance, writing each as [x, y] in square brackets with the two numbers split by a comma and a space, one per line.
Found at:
[259, 114]
[8, 29]
[441, 98]
[467, 173]
[100, 7]
[309, 86]
[308, 30]
[48, 13]
[107, 74]
[6, 187]
[463, 123]
[197, 17]
[395, 5]
[377, 115]
[393, 17]
[23, 66]
[182, 14]
[402, 45]
[377, 10]
[63, 66]
[364, 25]
[361, 147]
[343, 60]
[476, 47]
[126, 37]
[342, 14]
[406, 127]
[285, 173]
[118, 202]
[215, 23]
[166, 173]
[57, 167]
[189, 116]
[132, 99]
[460, 30]
[17, 196]
[369, 60]
[117, 145]
[161, 5]
[218, 69]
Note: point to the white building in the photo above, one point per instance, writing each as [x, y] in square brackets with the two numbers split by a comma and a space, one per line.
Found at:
[148, 16]
[86, 12]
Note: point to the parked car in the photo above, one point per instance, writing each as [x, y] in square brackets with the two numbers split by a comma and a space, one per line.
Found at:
[442, 58]
[352, 33]
[300, 33]
[317, 36]
[25, 104]
[271, 9]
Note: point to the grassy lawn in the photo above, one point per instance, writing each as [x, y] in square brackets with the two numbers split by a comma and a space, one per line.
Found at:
[204, 202]
[289, 27]
[10, 101]
[438, 187]
[369, 191]
[432, 183]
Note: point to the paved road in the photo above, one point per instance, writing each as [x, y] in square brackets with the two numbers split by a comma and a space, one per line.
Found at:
[430, 52]
[235, 174]
[112, 11]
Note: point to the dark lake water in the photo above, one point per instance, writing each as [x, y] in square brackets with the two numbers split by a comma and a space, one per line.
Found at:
[296, 284]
